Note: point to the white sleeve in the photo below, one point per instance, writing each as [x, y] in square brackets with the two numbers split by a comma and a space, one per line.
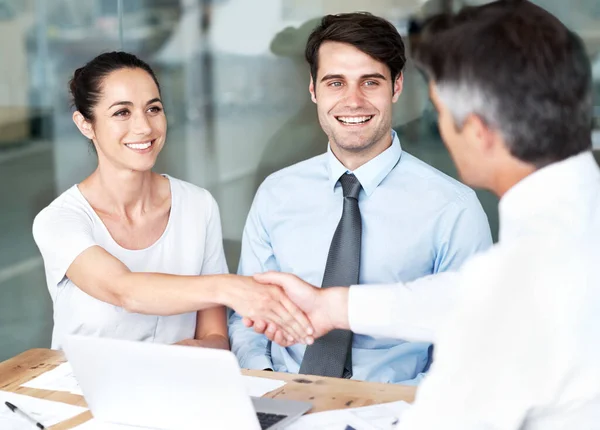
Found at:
[61, 234]
[214, 256]
[412, 311]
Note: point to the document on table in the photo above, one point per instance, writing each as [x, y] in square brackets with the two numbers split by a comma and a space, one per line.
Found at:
[378, 417]
[95, 424]
[258, 387]
[62, 378]
[46, 412]
[385, 416]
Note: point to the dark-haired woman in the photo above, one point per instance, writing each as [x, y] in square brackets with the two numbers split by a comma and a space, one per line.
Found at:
[132, 254]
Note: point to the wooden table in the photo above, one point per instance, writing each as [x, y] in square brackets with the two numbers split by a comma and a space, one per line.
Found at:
[324, 393]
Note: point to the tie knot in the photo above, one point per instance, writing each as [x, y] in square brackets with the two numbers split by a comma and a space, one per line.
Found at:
[350, 185]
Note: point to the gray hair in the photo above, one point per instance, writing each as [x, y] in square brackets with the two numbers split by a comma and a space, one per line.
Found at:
[520, 70]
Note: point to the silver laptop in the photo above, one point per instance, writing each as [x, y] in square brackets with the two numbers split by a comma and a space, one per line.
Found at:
[170, 387]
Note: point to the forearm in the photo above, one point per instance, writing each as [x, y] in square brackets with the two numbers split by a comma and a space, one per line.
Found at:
[412, 311]
[217, 341]
[335, 303]
[211, 328]
[162, 294]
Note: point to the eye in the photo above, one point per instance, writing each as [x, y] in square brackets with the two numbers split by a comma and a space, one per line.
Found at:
[155, 109]
[121, 113]
[335, 84]
[371, 83]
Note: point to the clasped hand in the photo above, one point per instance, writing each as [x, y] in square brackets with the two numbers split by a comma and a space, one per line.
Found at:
[307, 305]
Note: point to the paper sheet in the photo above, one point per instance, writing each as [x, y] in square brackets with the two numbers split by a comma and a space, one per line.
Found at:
[258, 387]
[62, 378]
[95, 424]
[377, 417]
[14, 423]
[46, 412]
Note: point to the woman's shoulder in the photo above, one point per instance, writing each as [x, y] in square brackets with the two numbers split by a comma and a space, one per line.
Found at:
[70, 207]
[70, 201]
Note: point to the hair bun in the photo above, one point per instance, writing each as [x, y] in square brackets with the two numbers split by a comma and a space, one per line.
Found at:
[86, 84]
[73, 83]
[78, 73]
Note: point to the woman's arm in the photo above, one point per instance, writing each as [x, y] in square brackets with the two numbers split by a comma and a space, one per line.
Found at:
[211, 329]
[106, 278]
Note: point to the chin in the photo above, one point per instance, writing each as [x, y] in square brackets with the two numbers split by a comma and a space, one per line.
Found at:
[354, 148]
[142, 167]
[354, 145]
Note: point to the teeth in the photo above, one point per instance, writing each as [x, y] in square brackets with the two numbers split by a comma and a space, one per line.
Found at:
[354, 119]
[139, 145]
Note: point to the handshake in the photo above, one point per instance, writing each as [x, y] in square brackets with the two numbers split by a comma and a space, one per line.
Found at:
[286, 309]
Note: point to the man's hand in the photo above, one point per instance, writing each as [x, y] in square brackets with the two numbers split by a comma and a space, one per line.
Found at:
[268, 303]
[326, 308]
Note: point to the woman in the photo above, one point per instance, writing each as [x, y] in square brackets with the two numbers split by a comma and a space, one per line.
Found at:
[132, 254]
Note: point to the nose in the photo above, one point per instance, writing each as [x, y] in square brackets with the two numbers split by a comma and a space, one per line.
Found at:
[141, 125]
[354, 97]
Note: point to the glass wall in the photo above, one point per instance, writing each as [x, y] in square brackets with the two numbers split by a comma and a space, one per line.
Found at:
[235, 91]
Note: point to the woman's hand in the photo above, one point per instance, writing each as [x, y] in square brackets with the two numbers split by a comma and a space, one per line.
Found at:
[268, 303]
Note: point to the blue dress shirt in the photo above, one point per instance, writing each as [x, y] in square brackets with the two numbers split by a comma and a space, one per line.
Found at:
[416, 221]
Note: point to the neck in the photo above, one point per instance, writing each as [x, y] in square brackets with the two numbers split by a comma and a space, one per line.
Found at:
[508, 176]
[353, 159]
[123, 191]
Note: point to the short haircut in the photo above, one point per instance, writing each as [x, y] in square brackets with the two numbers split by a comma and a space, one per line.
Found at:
[520, 70]
[371, 34]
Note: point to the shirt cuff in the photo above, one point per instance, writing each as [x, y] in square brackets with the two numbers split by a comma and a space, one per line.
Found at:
[257, 362]
[366, 315]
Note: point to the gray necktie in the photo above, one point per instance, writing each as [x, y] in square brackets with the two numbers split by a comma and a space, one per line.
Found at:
[331, 355]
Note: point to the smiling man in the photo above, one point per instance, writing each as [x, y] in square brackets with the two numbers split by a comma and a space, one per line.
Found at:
[363, 212]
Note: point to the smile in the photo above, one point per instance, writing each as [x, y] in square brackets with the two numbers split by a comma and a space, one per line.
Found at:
[140, 146]
[354, 120]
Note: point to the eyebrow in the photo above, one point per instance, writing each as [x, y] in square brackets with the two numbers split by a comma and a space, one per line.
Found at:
[327, 77]
[367, 76]
[126, 103]
[374, 76]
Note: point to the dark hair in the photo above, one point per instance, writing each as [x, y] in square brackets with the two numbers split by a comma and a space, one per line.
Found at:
[86, 84]
[531, 75]
[373, 35]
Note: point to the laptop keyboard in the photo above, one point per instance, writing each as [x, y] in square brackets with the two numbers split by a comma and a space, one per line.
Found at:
[267, 420]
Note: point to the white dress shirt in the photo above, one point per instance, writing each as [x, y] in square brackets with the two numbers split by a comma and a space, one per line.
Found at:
[517, 340]
[190, 245]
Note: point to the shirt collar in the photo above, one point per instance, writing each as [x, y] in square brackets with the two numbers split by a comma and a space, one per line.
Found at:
[552, 191]
[372, 172]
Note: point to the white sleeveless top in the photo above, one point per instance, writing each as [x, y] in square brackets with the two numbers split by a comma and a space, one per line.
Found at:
[190, 245]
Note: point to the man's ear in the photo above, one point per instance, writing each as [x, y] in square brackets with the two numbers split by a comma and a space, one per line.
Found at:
[311, 90]
[84, 126]
[398, 85]
[479, 134]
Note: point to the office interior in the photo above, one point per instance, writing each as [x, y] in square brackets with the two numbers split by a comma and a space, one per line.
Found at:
[235, 88]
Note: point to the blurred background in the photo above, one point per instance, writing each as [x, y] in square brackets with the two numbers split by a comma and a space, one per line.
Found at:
[235, 87]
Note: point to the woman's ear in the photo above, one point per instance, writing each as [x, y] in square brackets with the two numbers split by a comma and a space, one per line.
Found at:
[84, 126]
